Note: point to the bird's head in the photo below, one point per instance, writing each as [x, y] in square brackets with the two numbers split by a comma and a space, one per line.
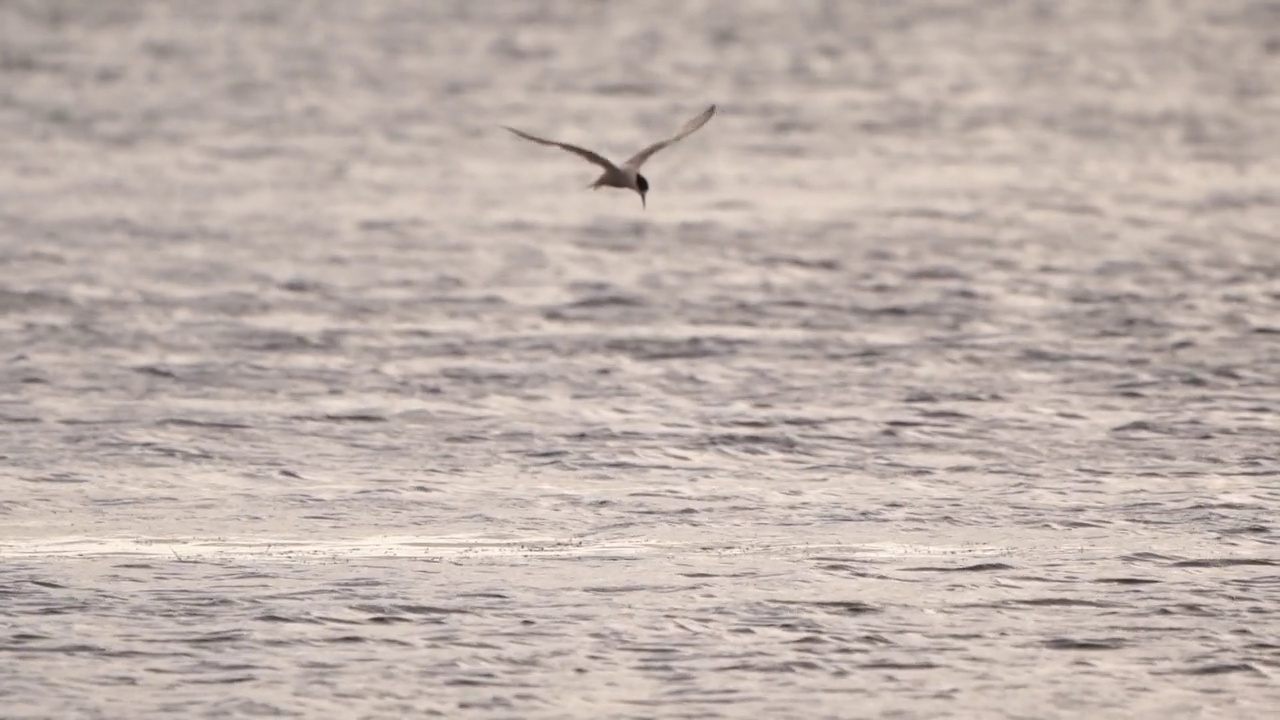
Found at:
[642, 187]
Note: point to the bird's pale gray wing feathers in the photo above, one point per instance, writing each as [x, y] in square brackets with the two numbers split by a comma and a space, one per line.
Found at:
[581, 152]
[639, 158]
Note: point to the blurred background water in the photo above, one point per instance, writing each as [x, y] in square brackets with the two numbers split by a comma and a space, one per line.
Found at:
[940, 378]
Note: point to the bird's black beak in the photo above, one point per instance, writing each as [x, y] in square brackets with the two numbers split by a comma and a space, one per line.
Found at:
[643, 204]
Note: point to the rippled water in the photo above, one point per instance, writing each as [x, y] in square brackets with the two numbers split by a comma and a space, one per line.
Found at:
[940, 378]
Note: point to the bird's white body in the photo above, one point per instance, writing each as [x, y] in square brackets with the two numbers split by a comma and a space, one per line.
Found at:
[627, 175]
[618, 177]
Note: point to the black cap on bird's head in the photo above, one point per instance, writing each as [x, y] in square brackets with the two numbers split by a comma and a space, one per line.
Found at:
[642, 185]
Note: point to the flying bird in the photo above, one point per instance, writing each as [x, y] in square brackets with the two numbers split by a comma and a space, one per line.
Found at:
[627, 175]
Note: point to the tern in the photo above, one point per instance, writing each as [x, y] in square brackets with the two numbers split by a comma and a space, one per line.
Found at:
[627, 175]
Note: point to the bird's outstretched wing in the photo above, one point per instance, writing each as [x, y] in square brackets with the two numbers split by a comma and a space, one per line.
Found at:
[585, 154]
[638, 159]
